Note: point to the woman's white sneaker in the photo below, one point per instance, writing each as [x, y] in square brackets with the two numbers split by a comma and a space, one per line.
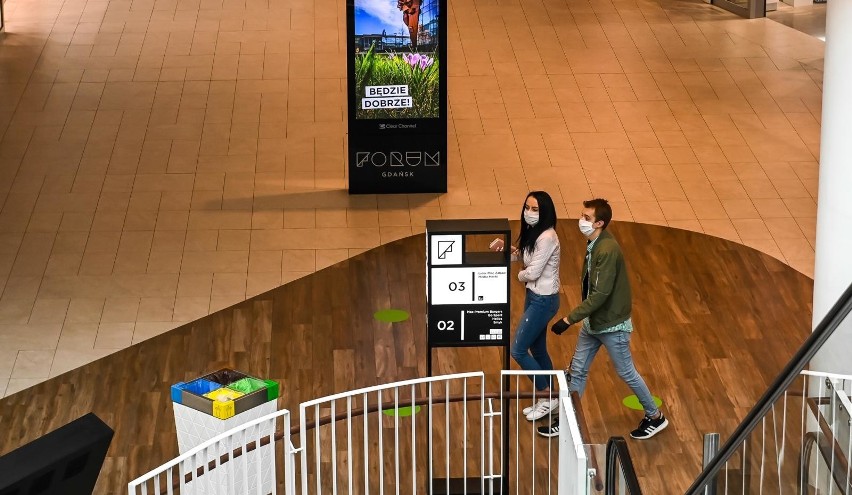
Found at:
[542, 408]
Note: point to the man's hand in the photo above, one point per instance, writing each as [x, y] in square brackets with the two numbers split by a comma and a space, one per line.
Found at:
[560, 326]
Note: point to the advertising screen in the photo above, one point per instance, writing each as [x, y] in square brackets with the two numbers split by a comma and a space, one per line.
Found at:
[397, 64]
[397, 96]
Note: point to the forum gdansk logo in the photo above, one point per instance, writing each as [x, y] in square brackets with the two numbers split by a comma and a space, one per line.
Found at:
[398, 158]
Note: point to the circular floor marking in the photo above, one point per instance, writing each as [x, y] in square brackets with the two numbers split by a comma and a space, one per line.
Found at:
[632, 402]
[401, 412]
[391, 315]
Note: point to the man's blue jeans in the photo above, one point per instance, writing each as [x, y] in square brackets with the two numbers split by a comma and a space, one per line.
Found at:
[529, 349]
[618, 347]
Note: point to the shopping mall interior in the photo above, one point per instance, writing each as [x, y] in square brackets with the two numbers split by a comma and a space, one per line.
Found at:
[174, 196]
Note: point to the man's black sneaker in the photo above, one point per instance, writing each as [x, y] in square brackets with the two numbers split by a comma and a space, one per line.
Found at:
[549, 431]
[649, 427]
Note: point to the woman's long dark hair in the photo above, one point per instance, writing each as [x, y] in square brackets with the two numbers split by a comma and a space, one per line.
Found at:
[546, 220]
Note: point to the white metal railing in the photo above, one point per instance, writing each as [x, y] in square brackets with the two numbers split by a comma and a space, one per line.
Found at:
[777, 395]
[801, 446]
[217, 467]
[427, 435]
[409, 462]
[573, 473]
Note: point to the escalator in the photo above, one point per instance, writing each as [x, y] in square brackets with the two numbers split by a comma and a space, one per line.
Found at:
[620, 475]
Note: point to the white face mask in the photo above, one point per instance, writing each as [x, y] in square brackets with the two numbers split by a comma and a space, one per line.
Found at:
[531, 218]
[586, 227]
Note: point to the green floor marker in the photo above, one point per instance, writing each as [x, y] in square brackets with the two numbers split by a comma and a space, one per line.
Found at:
[391, 315]
[632, 402]
[401, 412]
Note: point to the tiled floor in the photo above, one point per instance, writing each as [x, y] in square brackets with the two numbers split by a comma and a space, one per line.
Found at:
[162, 159]
[808, 19]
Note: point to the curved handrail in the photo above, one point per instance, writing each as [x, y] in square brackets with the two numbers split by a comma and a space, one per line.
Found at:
[372, 408]
[294, 429]
[207, 444]
[376, 407]
[325, 420]
[797, 363]
[420, 401]
[617, 450]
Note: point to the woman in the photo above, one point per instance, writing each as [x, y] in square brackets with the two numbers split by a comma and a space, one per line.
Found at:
[538, 248]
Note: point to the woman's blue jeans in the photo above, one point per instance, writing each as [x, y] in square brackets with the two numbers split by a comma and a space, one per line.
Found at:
[529, 349]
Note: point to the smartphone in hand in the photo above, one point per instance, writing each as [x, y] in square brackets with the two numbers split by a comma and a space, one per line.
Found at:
[496, 245]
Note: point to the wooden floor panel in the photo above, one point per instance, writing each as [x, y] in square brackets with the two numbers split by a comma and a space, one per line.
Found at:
[715, 321]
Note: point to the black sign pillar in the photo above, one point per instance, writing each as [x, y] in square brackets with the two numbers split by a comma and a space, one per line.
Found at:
[397, 94]
[468, 303]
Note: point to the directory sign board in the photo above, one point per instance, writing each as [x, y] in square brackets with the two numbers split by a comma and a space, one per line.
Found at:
[467, 291]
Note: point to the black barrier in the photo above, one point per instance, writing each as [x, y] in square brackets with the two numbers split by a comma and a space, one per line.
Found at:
[66, 461]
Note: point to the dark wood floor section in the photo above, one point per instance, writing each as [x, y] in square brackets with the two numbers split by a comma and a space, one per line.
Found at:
[715, 321]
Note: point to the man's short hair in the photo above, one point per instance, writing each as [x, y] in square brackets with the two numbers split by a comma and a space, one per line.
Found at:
[603, 211]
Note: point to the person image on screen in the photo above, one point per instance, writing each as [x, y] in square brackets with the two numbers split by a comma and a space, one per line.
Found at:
[605, 315]
[538, 249]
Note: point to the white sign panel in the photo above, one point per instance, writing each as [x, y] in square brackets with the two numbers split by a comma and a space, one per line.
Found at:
[446, 250]
[394, 96]
[382, 91]
[383, 103]
[479, 285]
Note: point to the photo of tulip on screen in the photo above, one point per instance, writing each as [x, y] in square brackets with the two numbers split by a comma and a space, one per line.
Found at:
[396, 59]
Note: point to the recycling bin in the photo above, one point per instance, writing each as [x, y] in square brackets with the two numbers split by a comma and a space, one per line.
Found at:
[215, 403]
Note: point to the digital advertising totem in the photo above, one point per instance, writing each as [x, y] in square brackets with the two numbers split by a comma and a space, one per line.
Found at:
[397, 52]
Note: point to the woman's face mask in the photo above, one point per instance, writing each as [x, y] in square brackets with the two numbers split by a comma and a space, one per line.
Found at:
[531, 211]
[531, 217]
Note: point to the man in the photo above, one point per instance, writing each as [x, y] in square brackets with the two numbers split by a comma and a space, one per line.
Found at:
[605, 317]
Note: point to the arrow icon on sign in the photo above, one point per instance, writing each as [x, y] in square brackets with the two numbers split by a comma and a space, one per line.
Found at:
[445, 247]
